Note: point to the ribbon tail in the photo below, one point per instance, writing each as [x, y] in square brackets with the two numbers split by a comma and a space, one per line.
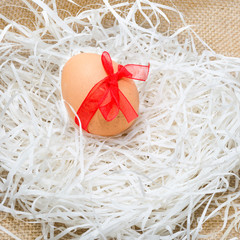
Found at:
[84, 111]
[139, 72]
[91, 104]
[126, 108]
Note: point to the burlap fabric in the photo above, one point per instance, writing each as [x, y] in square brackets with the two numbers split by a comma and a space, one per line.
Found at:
[217, 22]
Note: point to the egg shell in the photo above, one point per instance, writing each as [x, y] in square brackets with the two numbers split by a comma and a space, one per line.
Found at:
[79, 75]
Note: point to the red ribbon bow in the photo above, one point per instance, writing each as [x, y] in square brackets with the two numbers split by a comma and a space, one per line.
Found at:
[107, 97]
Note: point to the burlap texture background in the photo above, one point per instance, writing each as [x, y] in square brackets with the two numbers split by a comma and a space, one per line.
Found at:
[217, 22]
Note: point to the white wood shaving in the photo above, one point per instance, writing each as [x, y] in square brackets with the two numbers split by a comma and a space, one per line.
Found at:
[146, 183]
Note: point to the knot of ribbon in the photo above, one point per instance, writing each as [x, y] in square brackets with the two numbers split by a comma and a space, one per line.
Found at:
[107, 97]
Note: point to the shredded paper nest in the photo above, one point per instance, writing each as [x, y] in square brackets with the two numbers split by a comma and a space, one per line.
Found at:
[146, 183]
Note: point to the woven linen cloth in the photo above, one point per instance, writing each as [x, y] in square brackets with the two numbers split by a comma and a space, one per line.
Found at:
[215, 21]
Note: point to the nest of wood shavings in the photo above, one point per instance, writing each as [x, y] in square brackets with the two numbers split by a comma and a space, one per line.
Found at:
[143, 184]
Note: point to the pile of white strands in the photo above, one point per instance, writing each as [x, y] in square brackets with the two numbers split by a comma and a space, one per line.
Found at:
[146, 183]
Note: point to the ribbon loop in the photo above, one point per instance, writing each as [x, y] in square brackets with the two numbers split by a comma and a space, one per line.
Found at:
[107, 63]
[107, 97]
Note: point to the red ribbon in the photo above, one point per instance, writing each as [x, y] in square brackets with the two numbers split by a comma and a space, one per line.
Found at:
[107, 97]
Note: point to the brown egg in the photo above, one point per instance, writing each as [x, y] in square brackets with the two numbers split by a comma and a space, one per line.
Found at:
[79, 75]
